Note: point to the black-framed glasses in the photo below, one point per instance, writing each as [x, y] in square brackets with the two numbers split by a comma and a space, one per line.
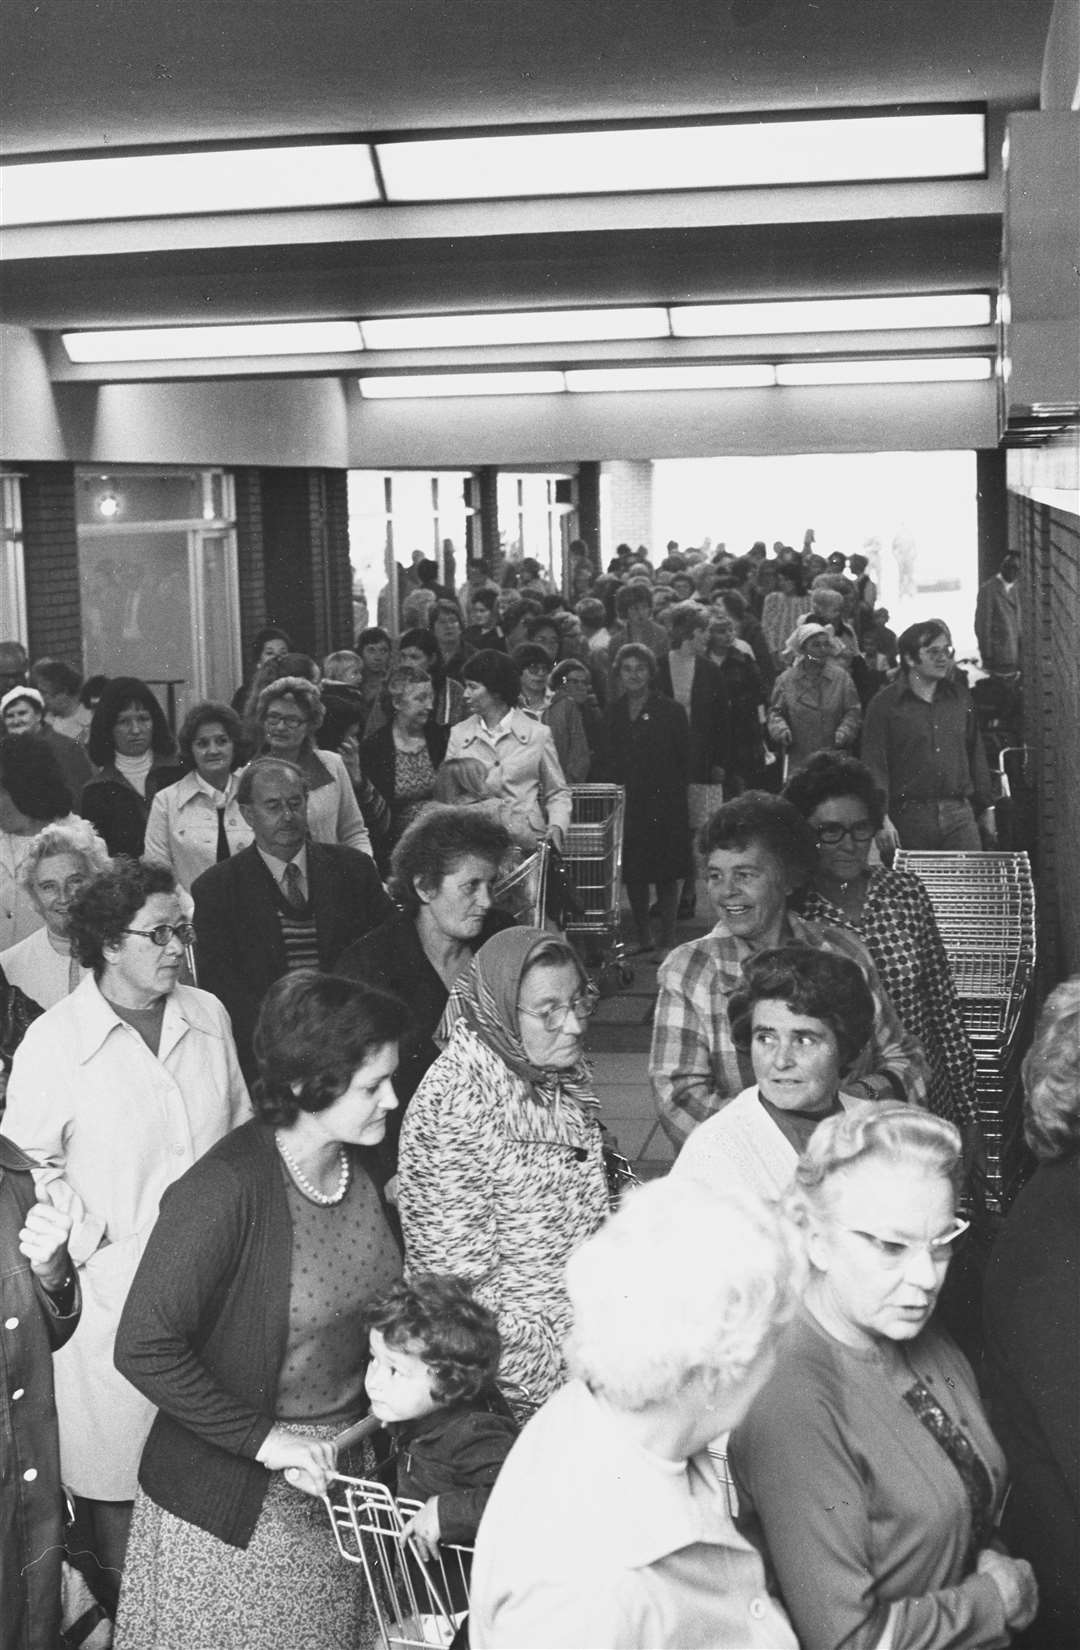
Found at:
[556, 1015]
[831, 836]
[273, 720]
[163, 932]
[940, 653]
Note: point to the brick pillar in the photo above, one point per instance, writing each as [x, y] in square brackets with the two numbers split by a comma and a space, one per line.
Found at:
[305, 548]
[53, 603]
[488, 481]
[993, 509]
[630, 492]
[251, 573]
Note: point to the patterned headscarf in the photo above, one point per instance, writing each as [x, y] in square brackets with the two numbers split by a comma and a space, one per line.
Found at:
[485, 996]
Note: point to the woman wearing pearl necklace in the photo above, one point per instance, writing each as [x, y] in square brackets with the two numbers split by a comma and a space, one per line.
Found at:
[245, 1325]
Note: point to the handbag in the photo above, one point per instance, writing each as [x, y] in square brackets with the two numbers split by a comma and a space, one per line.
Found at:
[562, 901]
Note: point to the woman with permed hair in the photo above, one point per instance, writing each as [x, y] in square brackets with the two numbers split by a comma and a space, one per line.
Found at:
[197, 821]
[118, 1088]
[131, 746]
[32, 795]
[802, 1016]
[1032, 1319]
[866, 1467]
[246, 1327]
[60, 861]
[288, 715]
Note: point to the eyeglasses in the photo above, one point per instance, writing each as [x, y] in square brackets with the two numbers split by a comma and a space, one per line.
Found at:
[163, 933]
[940, 653]
[273, 720]
[555, 1017]
[831, 836]
[894, 1253]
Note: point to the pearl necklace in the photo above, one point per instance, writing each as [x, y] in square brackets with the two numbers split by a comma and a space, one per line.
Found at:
[302, 1181]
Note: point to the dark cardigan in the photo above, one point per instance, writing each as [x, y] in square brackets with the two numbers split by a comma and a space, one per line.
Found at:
[204, 1331]
[377, 755]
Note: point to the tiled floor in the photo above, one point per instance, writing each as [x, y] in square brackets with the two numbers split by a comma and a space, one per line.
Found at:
[618, 1048]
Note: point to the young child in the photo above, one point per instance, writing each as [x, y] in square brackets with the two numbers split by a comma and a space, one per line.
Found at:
[431, 1381]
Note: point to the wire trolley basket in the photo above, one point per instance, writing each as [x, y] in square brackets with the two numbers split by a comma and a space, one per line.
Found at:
[418, 1603]
[593, 856]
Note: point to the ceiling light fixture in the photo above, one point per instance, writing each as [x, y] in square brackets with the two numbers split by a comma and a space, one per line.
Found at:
[214, 343]
[407, 386]
[541, 326]
[753, 375]
[873, 314]
[932, 369]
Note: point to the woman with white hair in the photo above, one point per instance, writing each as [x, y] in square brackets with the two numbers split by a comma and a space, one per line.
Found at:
[60, 861]
[866, 1465]
[814, 705]
[610, 1523]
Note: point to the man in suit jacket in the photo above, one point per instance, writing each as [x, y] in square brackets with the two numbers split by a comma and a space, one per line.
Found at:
[282, 903]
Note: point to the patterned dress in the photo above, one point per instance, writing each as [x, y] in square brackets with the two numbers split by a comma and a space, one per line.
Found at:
[501, 1189]
[902, 935]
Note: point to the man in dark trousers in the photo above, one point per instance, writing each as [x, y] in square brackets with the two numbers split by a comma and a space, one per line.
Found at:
[281, 904]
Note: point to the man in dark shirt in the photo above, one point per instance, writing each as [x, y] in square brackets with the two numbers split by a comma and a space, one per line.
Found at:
[922, 743]
[283, 903]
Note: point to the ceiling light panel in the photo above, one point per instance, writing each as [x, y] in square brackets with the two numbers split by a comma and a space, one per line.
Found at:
[214, 343]
[948, 309]
[168, 185]
[543, 326]
[599, 379]
[939, 369]
[412, 386]
[710, 156]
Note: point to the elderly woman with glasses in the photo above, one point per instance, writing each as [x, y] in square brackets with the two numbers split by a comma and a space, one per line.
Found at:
[119, 1088]
[866, 1465]
[288, 715]
[500, 1160]
[61, 860]
[845, 809]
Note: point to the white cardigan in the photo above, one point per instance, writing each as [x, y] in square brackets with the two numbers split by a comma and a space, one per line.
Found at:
[742, 1146]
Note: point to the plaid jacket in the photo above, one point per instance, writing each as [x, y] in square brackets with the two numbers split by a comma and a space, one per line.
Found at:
[694, 1065]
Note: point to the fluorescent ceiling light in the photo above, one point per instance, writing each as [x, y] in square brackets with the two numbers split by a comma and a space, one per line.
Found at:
[941, 369]
[946, 309]
[166, 185]
[214, 343]
[409, 386]
[542, 326]
[591, 379]
[707, 156]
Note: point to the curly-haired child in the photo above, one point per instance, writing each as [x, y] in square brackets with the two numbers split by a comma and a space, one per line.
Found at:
[431, 1381]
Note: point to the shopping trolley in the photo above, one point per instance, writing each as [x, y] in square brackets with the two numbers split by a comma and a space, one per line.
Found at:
[593, 855]
[521, 888]
[418, 1603]
[985, 910]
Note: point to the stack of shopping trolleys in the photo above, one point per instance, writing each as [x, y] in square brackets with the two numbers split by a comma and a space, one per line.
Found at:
[985, 909]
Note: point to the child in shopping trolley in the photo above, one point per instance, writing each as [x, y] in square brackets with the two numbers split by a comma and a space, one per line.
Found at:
[431, 1381]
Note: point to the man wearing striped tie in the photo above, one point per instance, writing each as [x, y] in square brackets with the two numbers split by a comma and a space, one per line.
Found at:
[283, 903]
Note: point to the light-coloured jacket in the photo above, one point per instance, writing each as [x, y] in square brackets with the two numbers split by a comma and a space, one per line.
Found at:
[523, 772]
[741, 1146]
[183, 826]
[820, 709]
[88, 1101]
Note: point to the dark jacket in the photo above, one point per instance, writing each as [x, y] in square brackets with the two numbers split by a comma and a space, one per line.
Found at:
[241, 951]
[17, 1012]
[710, 730]
[392, 958]
[205, 1327]
[377, 755]
[117, 811]
[455, 1453]
[31, 1502]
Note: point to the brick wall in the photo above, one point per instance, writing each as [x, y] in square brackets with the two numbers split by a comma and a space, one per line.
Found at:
[630, 502]
[293, 538]
[53, 610]
[1049, 544]
[251, 577]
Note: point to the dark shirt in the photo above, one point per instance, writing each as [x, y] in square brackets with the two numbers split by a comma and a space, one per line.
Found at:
[926, 750]
[455, 1453]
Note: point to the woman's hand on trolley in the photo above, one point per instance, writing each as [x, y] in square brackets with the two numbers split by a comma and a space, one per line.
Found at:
[308, 1463]
[423, 1529]
[554, 835]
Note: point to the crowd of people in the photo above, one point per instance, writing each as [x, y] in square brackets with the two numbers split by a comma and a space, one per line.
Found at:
[300, 1134]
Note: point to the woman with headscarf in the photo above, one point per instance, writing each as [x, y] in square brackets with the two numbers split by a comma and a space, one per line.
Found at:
[814, 705]
[500, 1162]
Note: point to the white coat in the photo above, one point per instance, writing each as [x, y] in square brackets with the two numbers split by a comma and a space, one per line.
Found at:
[523, 772]
[88, 1100]
[182, 829]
